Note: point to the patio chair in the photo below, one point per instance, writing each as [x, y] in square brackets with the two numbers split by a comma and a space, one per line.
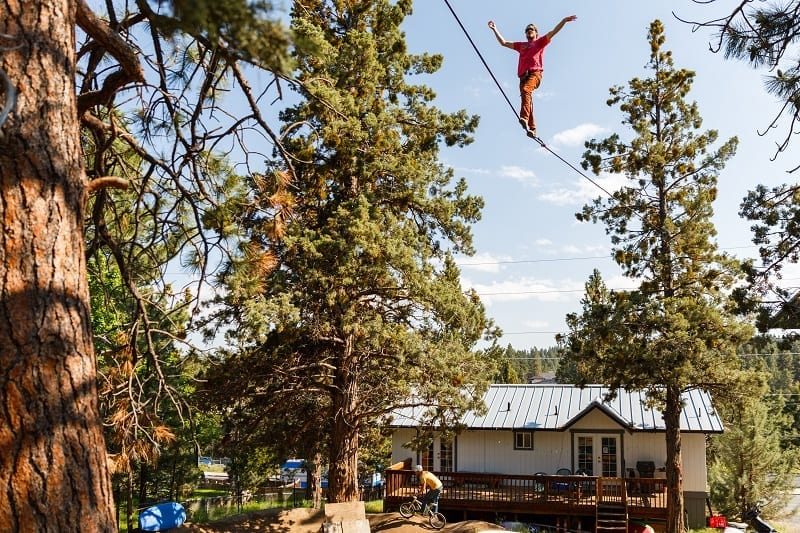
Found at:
[561, 486]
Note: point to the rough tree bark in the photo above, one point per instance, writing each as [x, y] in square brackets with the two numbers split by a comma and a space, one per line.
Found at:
[672, 423]
[53, 470]
[343, 446]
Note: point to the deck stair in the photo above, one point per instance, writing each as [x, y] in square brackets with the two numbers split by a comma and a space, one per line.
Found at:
[611, 512]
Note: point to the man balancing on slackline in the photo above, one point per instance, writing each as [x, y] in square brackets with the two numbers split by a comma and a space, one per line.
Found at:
[530, 66]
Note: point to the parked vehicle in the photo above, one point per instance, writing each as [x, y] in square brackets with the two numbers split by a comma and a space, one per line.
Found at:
[754, 520]
[293, 472]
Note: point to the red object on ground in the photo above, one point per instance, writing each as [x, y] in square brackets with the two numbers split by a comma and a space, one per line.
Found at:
[717, 521]
[638, 527]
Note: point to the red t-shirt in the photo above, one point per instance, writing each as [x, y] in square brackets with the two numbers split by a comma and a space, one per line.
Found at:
[531, 54]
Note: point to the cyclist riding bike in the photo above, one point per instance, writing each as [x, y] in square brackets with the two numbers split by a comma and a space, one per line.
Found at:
[434, 486]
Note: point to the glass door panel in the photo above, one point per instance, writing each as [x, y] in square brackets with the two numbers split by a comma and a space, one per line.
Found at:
[609, 457]
[445, 456]
[585, 455]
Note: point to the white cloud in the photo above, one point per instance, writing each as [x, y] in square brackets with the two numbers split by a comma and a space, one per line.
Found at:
[577, 135]
[584, 190]
[570, 249]
[536, 324]
[526, 289]
[523, 175]
[470, 170]
[483, 262]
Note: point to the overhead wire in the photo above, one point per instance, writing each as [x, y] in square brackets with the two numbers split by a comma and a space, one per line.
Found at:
[513, 109]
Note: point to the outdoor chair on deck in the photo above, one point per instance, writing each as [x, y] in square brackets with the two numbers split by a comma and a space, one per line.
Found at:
[633, 487]
[561, 486]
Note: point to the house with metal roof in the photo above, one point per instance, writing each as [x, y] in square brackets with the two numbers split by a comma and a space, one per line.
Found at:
[552, 429]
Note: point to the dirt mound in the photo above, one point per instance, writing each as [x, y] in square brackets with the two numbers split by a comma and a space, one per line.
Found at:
[310, 521]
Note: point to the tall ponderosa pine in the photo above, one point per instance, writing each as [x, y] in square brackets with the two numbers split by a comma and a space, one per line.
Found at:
[676, 331]
[355, 299]
[79, 59]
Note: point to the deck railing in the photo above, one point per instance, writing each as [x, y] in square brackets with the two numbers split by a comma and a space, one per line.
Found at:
[532, 494]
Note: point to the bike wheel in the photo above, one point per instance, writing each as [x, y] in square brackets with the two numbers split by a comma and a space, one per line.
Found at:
[407, 509]
[437, 520]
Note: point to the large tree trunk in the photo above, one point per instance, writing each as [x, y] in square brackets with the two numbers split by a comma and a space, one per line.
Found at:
[672, 413]
[53, 463]
[343, 472]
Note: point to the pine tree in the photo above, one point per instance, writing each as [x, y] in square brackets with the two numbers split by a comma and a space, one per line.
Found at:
[66, 146]
[357, 299]
[676, 332]
[765, 35]
[53, 463]
[749, 465]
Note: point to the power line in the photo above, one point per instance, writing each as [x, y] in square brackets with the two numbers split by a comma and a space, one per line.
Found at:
[521, 261]
[563, 259]
[555, 291]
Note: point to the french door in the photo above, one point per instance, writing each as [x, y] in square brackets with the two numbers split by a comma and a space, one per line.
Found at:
[439, 456]
[598, 455]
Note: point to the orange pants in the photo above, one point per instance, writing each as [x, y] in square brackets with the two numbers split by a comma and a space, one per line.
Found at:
[527, 84]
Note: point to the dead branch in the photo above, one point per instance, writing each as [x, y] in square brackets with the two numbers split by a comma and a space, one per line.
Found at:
[130, 69]
[107, 182]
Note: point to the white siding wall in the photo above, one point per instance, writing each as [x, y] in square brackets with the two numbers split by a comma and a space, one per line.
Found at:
[493, 451]
[694, 462]
[398, 452]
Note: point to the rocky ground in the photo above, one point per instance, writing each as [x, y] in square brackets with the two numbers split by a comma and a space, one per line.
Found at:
[304, 520]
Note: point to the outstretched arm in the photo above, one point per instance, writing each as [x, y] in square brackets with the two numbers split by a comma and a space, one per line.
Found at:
[503, 42]
[560, 25]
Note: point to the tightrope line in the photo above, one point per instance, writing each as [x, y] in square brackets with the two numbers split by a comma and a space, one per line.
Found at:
[511, 106]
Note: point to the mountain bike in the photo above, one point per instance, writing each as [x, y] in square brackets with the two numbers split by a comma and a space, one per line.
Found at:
[436, 519]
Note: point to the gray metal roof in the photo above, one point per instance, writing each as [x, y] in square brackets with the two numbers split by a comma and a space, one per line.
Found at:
[556, 407]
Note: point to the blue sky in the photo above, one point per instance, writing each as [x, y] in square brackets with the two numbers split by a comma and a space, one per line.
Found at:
[533, 257]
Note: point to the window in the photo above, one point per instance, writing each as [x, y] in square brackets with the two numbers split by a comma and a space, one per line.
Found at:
[523, 440]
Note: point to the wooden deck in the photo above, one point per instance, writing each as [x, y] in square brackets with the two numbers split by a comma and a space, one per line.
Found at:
[473, 494]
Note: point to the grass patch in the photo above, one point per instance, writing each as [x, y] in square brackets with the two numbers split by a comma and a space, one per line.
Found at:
[374, 506]
[212, 468]
[218, 513]
[208, 493]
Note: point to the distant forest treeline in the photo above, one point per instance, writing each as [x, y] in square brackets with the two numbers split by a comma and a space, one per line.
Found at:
[779, 357]
[522, 366]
